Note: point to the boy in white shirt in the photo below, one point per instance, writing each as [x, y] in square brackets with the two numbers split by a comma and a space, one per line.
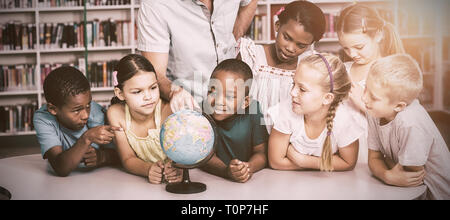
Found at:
[405, 147]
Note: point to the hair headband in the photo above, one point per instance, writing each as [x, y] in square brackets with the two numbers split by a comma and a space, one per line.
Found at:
[329, 71]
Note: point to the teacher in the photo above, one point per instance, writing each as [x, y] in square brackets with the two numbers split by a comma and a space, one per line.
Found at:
[186, 39]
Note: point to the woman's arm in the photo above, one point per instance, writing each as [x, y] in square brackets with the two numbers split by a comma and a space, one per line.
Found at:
[244, 19]
[344, 160]
[278, 146]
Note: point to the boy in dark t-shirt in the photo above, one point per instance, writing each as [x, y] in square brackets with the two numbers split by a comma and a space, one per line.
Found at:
[242, 144]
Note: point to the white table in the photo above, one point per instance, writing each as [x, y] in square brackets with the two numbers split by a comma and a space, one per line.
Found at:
[30, 177]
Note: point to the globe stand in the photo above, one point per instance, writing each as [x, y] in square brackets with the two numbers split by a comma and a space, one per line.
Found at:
[185, 186]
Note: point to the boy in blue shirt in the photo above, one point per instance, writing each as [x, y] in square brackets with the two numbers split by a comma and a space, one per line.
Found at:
[70, 127]
[242, 145]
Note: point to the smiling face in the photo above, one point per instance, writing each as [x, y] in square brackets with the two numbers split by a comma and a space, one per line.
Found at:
[360, 47]
[74, 113]
[307, 94]
[141, 93]
[226, 94]
[292, 40]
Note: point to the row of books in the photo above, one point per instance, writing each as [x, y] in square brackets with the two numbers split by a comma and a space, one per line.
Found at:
[22, 77]
[17, 77]
[17, 118]
[17, 36]
[258, 28]
[10, 4]
[331, 25]
[20, 36]
[99, 74]
[68, 3]
[71, 35]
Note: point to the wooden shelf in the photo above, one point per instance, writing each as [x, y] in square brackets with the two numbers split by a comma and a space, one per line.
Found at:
[17, 133]
[81, 49]
[17, 10]
[81, 8]
[19, 92]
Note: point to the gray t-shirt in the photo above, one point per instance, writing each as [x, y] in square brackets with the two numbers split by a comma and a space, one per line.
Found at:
[412, 139]
[51, 133]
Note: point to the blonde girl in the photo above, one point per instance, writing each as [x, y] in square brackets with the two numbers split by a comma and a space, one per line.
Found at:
[312, 130]
[365, 37]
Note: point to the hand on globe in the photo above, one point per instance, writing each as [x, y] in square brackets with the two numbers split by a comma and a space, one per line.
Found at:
[155, 172]
[172, 174]
[239, 171]
[181, 99]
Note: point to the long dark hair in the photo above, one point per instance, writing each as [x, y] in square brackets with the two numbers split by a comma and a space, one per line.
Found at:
[129, 66]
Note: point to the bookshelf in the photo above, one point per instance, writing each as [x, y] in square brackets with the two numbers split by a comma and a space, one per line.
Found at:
[419, 33]
[421, 26]
[262, 30]
[40, 56]
[425, 36]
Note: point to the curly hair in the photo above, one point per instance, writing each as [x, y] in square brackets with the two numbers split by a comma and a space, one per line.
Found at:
[64, 82]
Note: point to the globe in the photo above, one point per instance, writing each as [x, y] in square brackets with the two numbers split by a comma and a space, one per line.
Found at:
[187, 137]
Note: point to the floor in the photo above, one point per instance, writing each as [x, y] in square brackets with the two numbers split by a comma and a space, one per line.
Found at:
[24, 145]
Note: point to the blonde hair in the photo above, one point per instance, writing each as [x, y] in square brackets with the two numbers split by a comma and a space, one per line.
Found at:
[359, 18]
[341, 87]
[399, 73]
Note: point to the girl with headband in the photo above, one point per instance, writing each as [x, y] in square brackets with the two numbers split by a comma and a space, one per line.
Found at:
[300, 25]
[312, 130]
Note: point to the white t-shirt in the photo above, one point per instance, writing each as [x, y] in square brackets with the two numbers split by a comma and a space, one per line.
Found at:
[412, 139]
[345, 130]
[359, 117]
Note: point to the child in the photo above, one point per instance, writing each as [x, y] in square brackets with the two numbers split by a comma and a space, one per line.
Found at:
[365, 37]
[138, 109]
[405, 147]
[241, 151]
[300, 24]
[70, 127]
[311, 130]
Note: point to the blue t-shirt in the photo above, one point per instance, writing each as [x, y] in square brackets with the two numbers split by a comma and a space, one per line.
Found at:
[51, 133]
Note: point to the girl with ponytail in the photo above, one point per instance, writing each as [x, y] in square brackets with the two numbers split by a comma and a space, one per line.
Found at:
[312, 130]
[365, 37]
[139, 110]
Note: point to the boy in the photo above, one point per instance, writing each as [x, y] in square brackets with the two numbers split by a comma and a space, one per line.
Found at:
[242, 135]
[70, 127]
[405, 147]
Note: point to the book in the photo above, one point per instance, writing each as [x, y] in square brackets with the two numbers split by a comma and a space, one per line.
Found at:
[17, 118]
[17, 77]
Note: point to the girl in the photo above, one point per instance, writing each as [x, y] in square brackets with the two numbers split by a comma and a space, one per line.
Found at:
[140, 111]
[300, 24]
[365, 37]
[311, 130]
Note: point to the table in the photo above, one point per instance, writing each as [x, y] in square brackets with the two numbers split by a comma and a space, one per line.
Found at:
[31, 177]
